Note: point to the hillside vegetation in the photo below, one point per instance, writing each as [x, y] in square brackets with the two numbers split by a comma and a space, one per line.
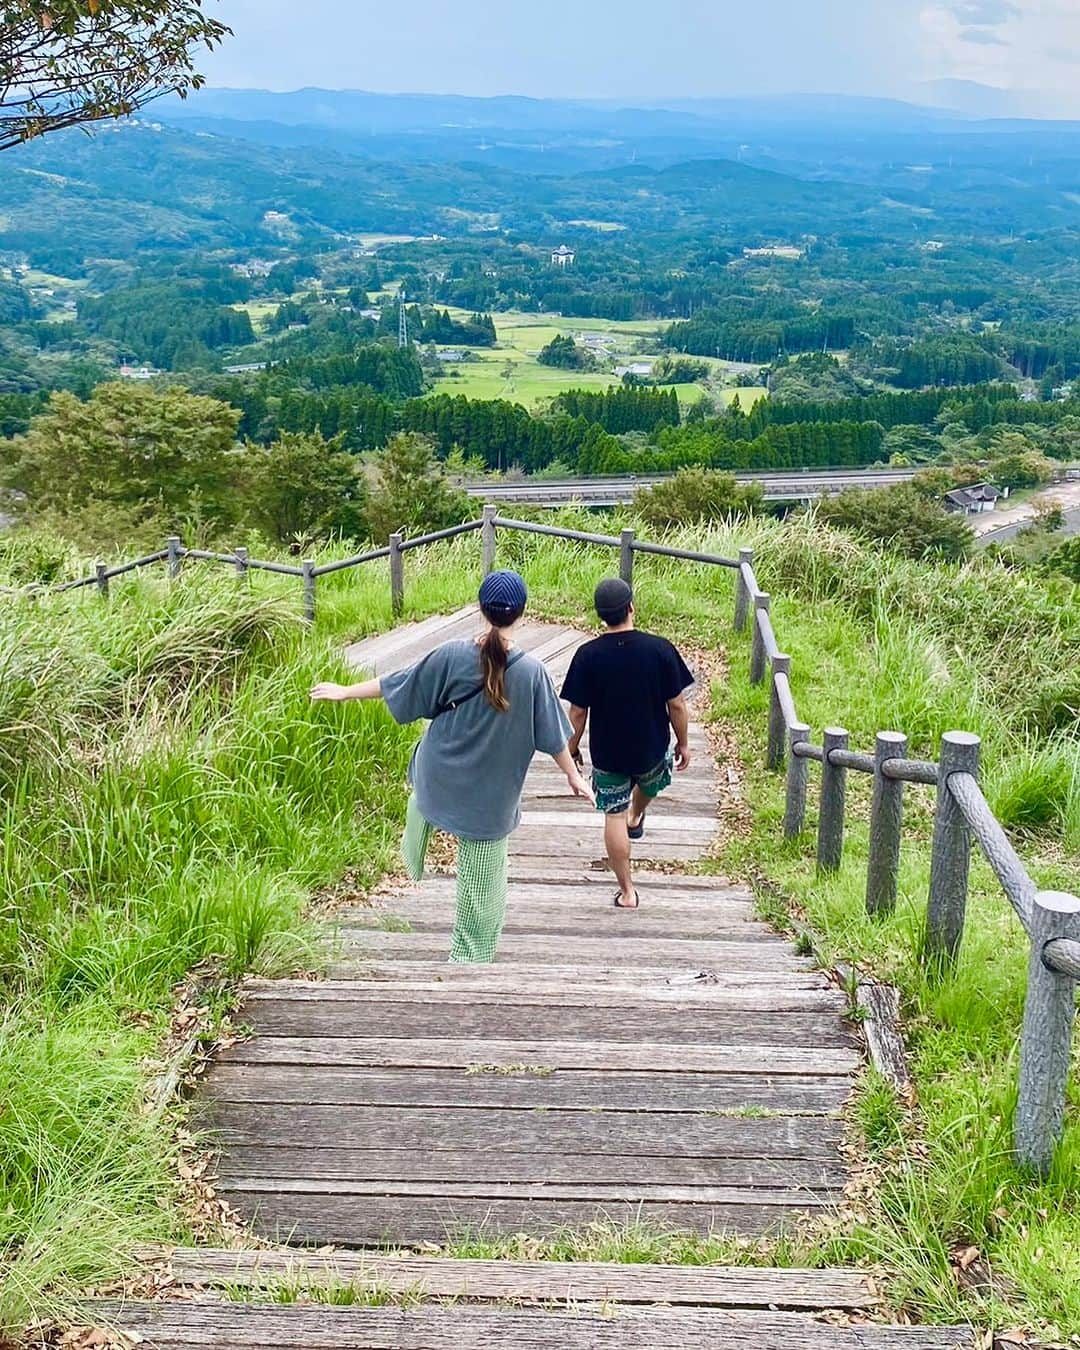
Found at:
[171, 803]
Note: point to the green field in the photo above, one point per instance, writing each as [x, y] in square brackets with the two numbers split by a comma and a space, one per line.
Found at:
[511, 370]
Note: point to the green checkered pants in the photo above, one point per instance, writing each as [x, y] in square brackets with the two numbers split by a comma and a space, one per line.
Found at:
[481, 887]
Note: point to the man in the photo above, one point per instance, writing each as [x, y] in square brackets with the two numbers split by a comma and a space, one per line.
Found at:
[632, 684]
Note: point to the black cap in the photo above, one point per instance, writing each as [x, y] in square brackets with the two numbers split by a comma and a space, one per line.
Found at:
[612, 597]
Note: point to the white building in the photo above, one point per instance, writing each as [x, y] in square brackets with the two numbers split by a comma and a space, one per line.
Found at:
[563, 257]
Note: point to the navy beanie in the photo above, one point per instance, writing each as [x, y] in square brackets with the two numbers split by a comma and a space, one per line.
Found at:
[503, 594]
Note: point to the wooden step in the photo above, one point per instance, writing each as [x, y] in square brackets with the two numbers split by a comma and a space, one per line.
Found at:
[541, 1281]
[567, 1090]
[240, 1326]
[618, 1056]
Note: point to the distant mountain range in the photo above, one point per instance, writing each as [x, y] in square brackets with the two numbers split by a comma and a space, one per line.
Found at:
[809, 135]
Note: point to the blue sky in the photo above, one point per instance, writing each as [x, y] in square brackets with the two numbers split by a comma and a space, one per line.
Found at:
[655, 48]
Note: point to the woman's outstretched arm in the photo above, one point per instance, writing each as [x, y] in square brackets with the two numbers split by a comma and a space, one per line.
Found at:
[578, 786]
[341, 693]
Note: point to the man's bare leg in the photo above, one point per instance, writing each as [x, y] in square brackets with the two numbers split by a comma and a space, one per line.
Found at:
[639, 804]
[617, 843]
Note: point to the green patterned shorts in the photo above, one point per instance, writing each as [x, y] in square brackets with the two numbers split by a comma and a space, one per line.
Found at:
[481, 887]
[614, 790]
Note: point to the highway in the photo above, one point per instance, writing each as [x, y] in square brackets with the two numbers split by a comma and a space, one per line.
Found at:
[616, 491]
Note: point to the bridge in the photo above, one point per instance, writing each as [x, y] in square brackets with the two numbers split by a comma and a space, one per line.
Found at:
[790, 485]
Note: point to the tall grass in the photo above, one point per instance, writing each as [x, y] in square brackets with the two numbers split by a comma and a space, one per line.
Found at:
[168, 797]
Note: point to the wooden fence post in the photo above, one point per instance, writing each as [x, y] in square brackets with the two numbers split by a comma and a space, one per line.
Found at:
[742, 591]
[173, 558]
[488, 539]
[397, 575]
[309, 590]
[950, 860]
[778, 732]
[1046, 1042]
[757, 642]
[626, 556]
[242, 562]
[886, 820]
[798, 775]
[830, 846]
[101, 571]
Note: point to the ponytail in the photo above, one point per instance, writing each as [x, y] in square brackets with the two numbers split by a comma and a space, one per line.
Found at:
[493, 664]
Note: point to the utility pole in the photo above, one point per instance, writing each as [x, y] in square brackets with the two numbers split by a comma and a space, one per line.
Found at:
[403, 321]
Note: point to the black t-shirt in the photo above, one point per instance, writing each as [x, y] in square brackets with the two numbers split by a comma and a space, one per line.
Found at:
[626, 680]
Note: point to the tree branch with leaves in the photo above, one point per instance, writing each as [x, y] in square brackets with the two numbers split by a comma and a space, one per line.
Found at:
[68, 63]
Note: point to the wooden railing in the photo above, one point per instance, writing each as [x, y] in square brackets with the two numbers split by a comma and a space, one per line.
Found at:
[962, 814]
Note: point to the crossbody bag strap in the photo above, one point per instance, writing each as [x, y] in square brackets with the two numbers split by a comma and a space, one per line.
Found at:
[473, 693]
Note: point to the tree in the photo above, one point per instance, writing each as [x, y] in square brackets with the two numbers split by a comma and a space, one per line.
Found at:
[128, 446]
[409, 490]
[302, 486]
[563, 353]
[1065, 559]
[71, 62]
[696, 495]
[902, 519]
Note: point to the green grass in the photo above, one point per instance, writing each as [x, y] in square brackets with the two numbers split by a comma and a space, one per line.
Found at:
[511, 370]
[169, 800]
[948, 1178]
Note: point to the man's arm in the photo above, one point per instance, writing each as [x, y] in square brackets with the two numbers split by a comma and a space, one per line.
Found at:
[679, 717]
[579, 718]
[341, 693]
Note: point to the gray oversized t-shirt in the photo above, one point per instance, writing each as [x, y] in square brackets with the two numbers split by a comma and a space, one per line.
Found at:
[469, 768]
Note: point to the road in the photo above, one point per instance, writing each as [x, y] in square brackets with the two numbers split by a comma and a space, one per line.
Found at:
[616, 491]
[1007, 532]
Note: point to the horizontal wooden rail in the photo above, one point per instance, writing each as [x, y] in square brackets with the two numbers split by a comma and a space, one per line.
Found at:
[911, 771]
[421, 540]
[343, 564]
[1063, 955]
[851, 759]
[683, 554]
[805, 750]
[554, 532]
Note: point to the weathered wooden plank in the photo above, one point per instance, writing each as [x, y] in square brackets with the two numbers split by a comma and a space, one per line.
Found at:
[523, 975]
[566, 1090]
[584, 873]
[775, 954]
[448, 1053]
[411, 1220]
[881, 1026]
[499, 1192]
[385, 643]
[654, 1135]
[540, 1173]
[569, 877]
[544, 1281]
[597, 920]
[776, 997]
[422, 1018]
[685, 826]
[536, 842]
[559, 901]
[237, 1326]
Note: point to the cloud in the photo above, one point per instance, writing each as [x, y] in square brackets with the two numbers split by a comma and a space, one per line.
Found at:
[985, 13]
[1005, 45]
[982, 36]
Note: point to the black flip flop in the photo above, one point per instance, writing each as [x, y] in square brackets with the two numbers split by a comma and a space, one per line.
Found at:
[636, 831]
[618, 897]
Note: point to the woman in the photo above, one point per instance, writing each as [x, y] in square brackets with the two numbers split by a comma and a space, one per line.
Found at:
[492, 707]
